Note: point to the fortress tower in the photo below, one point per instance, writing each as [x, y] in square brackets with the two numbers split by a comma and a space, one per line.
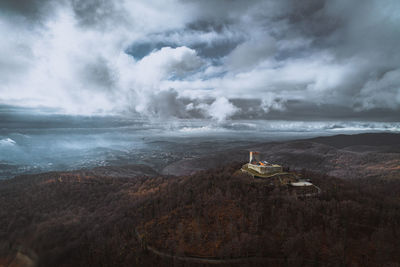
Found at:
[262, 167]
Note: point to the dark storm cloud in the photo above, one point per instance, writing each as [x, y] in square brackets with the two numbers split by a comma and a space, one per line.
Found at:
[141, 49]
[33, 10]
[32, 120]
[296, 110]
[94, 13]
[167, 104]
[209, 25]
[215, 50]
[220, 11]
[97, 13]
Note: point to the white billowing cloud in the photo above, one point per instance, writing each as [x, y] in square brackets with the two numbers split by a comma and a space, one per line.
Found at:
[143, 79]
[61, 57]
[167, 63]
[221, 109]
[7, 142]
[292, 79]
[271, 103]
[84, 71]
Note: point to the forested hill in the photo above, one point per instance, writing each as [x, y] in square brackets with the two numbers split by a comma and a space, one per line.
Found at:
[213, 217]
[367, 139]
[132, 216]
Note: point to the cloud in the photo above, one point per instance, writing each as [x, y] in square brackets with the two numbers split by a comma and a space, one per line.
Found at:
[382, 92]
[33, 11]
[250, 53]
[7, 142]
[221, 109]
[143, 80]
[271, 103]
[97, 13]
[168, 63]
[163, 104]
[203, 59]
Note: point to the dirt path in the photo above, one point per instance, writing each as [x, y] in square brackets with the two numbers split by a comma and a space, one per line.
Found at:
[216, 261]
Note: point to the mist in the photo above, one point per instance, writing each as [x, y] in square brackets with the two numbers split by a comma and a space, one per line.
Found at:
[32, 141]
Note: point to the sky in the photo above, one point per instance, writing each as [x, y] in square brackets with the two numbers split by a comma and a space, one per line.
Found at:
[211, 59]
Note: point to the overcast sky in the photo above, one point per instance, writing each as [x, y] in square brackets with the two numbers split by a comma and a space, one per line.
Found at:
[217, 59]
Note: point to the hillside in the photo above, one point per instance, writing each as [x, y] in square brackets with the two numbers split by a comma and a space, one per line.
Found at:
[64, 219]
[345, 156]
[367, 139]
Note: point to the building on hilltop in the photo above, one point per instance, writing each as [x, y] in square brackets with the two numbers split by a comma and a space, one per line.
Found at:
[262, 167]
[274, 174]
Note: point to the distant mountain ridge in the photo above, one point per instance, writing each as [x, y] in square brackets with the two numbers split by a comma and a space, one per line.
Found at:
[366, 139]
[344, 156]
